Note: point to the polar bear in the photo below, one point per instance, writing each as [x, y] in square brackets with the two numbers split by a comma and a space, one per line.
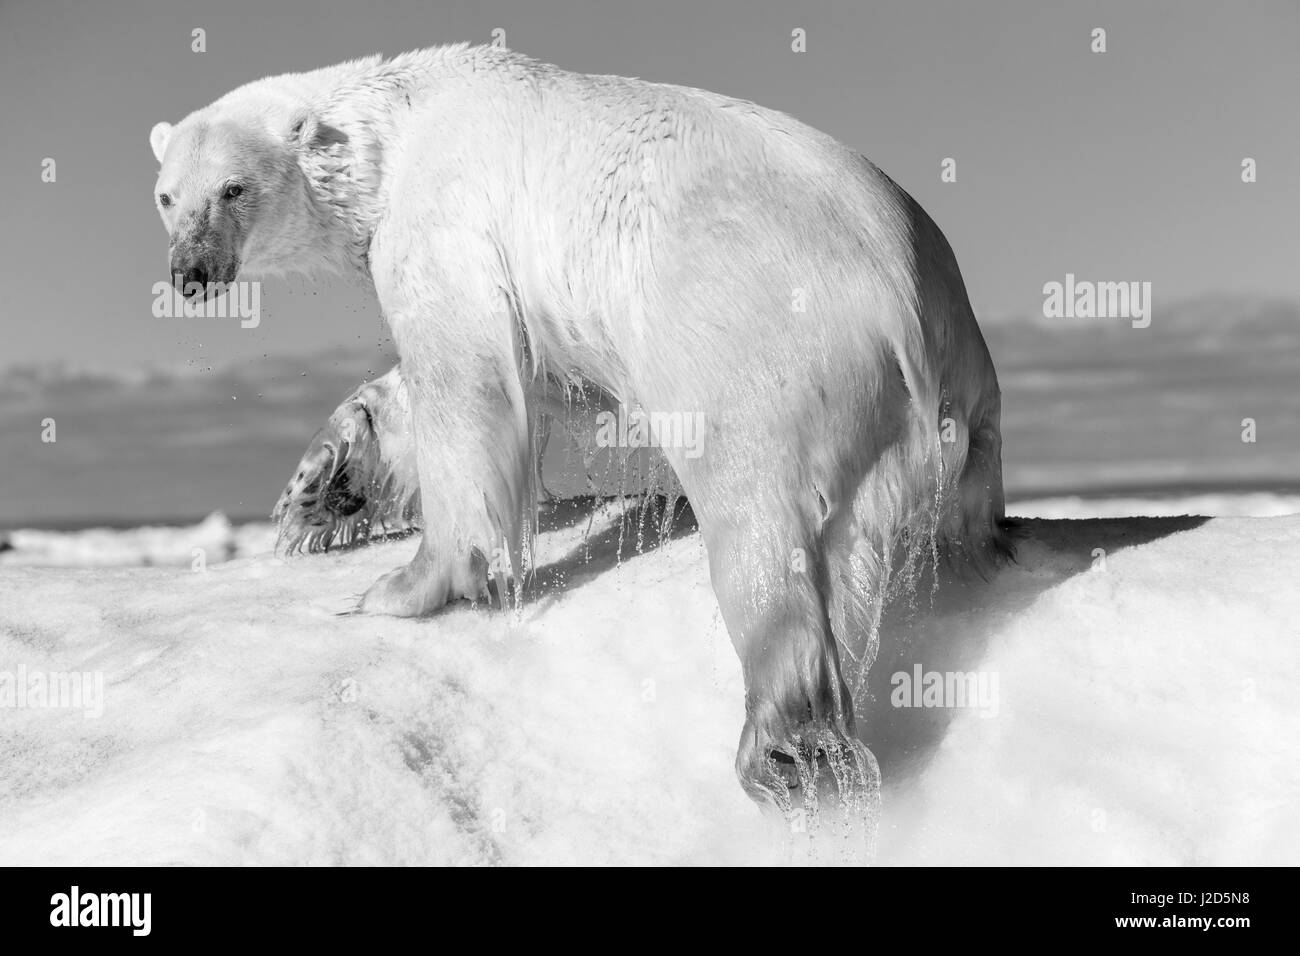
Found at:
[358, 477]
[687, 253]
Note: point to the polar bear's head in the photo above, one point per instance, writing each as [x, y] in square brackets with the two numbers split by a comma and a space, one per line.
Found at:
[235, 191]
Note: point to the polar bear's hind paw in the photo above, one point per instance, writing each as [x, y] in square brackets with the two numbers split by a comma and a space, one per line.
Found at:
[344, 489]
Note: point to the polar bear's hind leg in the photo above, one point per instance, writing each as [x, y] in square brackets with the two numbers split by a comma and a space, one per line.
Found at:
[357, 477]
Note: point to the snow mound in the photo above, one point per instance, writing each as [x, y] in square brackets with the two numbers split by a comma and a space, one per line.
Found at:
[1141, 710]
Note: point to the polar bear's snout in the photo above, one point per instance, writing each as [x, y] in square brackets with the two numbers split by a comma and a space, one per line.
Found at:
[189, 278]
[204, 256]
[199, 276]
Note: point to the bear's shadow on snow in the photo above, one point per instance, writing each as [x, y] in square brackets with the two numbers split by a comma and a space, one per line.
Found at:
[952, 633]
[643, 525]
[947, 632]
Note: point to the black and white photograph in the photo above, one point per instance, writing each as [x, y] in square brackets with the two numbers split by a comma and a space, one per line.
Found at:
[686, 433]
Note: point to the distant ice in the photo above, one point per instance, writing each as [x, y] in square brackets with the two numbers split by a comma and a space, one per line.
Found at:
[1238, 505]
[212, 540]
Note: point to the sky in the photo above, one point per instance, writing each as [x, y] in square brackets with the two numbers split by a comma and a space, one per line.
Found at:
[1115, 166]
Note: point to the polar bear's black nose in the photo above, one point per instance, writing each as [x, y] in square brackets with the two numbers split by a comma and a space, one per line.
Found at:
[190, 276]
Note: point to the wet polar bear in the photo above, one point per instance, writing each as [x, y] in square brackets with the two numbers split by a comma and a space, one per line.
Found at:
[526, 228]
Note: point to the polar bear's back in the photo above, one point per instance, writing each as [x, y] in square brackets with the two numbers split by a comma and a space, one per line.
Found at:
[754, 241]
[721, 207]
[625, 145]
[656, 227]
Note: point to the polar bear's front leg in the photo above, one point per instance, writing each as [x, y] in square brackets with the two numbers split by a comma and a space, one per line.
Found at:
[471, 421]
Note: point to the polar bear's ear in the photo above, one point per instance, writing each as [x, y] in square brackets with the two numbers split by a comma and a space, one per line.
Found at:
[309, 131]
[158, 137]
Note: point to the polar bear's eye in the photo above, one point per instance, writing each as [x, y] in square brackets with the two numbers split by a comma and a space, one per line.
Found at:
[164, 199]
[233, 191]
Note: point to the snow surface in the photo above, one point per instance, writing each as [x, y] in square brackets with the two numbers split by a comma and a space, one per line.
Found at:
[1145, 710]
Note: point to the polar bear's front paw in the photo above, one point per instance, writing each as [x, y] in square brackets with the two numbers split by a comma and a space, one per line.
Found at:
[402, 593]
[419, 588]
